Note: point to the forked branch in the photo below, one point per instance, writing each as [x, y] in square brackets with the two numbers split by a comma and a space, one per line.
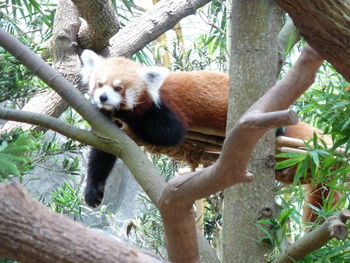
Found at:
[231, 168]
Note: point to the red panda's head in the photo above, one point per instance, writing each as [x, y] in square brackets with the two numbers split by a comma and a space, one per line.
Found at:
[119, 83]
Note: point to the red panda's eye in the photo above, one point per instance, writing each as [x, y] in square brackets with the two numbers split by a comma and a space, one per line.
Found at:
[99, 84]
[117, 88]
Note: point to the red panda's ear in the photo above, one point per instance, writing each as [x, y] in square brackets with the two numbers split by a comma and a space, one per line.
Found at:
[154, 78]
[90, 60]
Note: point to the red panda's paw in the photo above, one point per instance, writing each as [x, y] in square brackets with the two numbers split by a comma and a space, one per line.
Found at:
[93, 195]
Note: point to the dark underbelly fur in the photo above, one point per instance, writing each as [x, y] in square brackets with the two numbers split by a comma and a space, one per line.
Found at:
[157, 126]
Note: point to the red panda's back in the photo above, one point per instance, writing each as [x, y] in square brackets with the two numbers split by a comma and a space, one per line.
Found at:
[199, 98]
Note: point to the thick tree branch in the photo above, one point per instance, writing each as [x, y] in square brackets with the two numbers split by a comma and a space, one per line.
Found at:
[325, 26]
[114, 141]
[54, 124]
[100, 23]
[157, 20]
[30, 232]
[333, 227]
[231, 168]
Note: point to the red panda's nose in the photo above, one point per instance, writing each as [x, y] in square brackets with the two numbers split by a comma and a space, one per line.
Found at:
[103, 97]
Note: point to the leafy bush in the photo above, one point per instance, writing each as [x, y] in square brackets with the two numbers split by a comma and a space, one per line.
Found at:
[15, 151]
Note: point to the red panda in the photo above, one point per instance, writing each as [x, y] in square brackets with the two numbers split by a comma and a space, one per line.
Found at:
[158, 106]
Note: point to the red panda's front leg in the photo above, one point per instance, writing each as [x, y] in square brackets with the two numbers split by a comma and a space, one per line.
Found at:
[100, 165]
[158, 125]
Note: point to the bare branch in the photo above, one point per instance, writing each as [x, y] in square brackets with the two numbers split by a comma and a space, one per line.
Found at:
[269, 119]
[231, 168]
[157, 20]
[100, 23]
[49, 122]
[30, 232]
[333, 227]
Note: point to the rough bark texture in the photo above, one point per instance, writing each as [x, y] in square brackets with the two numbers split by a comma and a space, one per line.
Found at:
[96, 30]
[333, 227]
[325, 25]
[177, 198]
[157, 20]
[105, 136]
[253, 69]
[30, 232]
[65, 60]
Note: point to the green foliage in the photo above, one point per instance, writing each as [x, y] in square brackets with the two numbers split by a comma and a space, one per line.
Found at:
[67, 201]
[212, 218]
[5, 260]
[30, 18]
[15, 152]
[17, 83]
[167, 166]
[215, 17]
[324, 105]
[196, 57]
[147, 230]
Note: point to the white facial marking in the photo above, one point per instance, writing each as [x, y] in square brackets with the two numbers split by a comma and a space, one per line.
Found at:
[92, 84]
[130, 97]
[154, 78]
[90, 61]
[111, 100]
[116, 82]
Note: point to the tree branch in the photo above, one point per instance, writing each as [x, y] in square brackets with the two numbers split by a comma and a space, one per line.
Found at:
[157, 20]
[333, 227]
[112, 139]
[100, 23]
[51, 123]
[231, 168]
[30, 232]
[325, 26]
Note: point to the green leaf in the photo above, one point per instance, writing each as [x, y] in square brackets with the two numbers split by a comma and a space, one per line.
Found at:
[315, 158]
[291, 161]
[301, 170]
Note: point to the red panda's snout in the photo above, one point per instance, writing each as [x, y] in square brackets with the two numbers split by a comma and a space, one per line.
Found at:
[106, 98]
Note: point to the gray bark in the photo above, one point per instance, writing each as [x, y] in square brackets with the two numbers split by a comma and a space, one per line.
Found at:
[253, 69]
[96, 30]
[31, 233]
[157, 20]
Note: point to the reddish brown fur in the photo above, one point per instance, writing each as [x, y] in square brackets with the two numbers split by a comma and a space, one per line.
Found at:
[199, 99]
[315, 195]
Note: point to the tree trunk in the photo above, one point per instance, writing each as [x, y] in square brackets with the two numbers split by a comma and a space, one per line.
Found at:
[253, 69]
[30, 232]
